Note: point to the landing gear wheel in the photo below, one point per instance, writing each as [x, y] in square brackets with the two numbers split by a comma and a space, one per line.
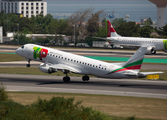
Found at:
[28, 65]
[85, 78]
[154, 52]
[66, 79]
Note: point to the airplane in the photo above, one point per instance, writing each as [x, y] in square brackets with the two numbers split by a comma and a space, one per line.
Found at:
[55, 60]
[152, 44]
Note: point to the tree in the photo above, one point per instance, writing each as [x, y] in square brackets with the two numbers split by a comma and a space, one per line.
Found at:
[163, 31]
[25, 24]
[148, 21]
[128, 29]
[93, 25]
[78, 19]
[56, 26]
[145, 31]
[118, 21]
[21, 39]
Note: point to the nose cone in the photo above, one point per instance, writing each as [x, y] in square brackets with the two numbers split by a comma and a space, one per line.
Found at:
[18, 51]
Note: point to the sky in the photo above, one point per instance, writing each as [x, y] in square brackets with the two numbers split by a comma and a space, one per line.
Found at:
[136, 9]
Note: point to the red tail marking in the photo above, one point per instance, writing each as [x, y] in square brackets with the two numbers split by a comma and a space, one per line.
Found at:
[109, 29]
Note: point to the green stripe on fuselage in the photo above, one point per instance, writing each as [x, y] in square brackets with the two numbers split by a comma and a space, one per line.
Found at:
[129, 65]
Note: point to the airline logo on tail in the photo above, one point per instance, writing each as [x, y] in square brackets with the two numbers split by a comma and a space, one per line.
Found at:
[110, 30]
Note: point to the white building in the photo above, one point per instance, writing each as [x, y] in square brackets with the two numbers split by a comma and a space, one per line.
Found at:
[26, 7]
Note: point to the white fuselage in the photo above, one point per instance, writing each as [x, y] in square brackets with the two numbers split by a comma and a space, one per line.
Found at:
[84, 65]
[158, 44]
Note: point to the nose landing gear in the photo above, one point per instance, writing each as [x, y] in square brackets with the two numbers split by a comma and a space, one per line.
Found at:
[28, 65]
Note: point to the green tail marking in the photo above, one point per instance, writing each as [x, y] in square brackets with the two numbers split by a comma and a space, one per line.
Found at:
[165, 44]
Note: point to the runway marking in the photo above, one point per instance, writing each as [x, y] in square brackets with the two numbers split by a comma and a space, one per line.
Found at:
[86, 91]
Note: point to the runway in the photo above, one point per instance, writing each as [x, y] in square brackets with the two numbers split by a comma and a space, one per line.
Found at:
[120, 87]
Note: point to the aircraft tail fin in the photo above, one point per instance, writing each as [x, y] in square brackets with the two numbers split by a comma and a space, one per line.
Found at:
[135, 62]
[110, 30]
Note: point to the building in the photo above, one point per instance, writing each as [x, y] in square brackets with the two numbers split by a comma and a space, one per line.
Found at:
[161, 12]
[27, 8]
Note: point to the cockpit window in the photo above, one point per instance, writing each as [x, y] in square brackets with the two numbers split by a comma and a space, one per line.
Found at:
[22, 47]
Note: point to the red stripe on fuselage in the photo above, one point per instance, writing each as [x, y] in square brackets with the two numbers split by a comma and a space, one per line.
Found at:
[129, 68]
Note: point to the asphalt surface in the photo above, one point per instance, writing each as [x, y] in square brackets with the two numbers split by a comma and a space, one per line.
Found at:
[120, 87]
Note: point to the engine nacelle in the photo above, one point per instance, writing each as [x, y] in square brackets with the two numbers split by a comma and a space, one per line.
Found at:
[46, 69]
[150, 50]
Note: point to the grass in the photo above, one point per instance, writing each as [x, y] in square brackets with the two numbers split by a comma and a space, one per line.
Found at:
[10, 57]
[30, 70]
[36, 71]
[122, 107]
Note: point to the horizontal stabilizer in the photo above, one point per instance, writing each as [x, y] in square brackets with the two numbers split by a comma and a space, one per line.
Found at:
[150, 73]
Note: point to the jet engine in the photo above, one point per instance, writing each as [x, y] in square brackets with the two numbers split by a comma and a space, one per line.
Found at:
[47, 68]
[150, 50]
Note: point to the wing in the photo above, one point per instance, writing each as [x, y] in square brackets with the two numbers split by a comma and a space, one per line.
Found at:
[100, 38]
[65, 68]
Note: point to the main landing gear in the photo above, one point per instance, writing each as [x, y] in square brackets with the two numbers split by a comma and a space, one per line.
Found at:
[85, 78]
[66, 79]
[28, 65]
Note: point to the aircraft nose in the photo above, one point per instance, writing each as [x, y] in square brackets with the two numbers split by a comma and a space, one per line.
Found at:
[18, 51]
